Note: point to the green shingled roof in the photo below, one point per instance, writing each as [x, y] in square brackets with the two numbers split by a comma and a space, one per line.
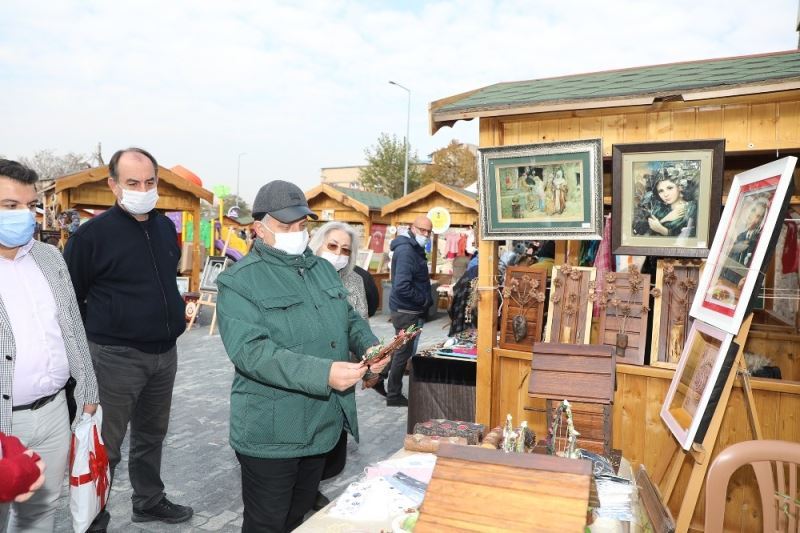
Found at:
[642, 81]
[370, 199]
[462, 191]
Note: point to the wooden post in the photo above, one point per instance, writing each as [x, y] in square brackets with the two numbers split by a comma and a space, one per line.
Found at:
[487, 330]
[434, 254]
[195, 280]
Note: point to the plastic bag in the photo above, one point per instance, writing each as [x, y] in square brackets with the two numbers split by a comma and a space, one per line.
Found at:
[89, 474]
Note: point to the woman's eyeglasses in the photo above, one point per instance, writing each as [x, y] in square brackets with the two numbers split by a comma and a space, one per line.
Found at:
[339, 250]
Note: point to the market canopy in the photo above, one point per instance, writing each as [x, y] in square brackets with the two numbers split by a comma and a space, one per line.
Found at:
[687, 81]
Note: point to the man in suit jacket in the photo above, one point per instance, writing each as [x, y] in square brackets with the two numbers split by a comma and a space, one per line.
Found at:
[42, 344]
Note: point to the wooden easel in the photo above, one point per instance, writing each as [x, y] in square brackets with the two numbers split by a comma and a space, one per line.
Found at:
[209, 298]
[700, 454]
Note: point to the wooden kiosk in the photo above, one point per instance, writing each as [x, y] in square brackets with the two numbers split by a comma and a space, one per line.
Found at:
[330, 202]
[753, 103]
[462, 206]
[88, 189]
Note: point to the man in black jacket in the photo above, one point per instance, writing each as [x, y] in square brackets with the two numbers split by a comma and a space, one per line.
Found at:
[410, 299]
[123, 264]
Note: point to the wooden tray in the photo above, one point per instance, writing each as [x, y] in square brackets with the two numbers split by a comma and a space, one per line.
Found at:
[477, 489]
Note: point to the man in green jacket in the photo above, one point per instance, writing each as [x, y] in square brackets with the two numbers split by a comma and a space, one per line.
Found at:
[288, 329]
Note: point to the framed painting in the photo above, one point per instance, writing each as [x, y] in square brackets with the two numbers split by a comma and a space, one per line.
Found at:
[183, 284]
[542, 191]
[666, 197]
[214, 265]
[676, 283]
[364, 257]
[704, 366]
[746, 237]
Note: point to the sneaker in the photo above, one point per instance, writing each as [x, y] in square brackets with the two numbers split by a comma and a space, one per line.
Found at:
[400, 401]
[164, 511]
[379, 388]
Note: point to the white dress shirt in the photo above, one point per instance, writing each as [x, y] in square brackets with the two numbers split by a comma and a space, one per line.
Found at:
[41, 367]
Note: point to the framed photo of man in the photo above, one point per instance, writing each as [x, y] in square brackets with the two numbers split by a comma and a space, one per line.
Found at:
[743, 243]
[542, 191]
[666, 197]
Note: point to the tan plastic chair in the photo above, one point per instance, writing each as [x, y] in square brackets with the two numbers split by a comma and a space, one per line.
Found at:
[775, 463]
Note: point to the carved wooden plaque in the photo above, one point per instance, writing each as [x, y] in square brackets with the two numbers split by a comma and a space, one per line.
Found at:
[569, 318]
[523, 307]
[623, 315]
[676, 283]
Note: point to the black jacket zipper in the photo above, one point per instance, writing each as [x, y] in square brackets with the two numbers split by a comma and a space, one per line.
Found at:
[158, 278]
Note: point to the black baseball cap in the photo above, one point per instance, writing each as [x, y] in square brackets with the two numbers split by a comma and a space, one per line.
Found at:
[283, 201]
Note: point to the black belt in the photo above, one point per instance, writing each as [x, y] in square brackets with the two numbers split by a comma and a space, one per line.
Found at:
[36, 404]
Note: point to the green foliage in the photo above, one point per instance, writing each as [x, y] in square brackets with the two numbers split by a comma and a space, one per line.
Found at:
[385, 168]
[454, 165]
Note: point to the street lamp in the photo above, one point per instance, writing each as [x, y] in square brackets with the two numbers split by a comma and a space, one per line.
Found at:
[408, 126]
[238, 166]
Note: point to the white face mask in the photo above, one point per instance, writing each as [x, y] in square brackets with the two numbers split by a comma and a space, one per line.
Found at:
[293, 243]
[338, 261]
[137, 202]
[422, 240]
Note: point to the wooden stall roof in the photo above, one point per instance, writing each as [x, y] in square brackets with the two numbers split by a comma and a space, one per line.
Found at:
[73, 181]
[361, 201]
[687, 81]
[460, 196]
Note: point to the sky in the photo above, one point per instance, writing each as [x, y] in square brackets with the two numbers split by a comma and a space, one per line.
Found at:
[301, 85]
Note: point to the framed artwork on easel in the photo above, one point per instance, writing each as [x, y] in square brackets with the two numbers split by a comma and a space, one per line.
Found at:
[745, 239]
[705, 363]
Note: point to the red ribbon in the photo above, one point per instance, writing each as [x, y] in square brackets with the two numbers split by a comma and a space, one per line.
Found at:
[98, 469]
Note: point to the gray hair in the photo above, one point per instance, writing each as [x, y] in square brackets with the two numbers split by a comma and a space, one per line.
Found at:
[321, 234]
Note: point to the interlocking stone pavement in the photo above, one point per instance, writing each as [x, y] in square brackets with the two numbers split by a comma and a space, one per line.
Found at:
[199, 467]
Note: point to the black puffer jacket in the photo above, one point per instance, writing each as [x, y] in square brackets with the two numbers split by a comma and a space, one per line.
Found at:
[411, 283]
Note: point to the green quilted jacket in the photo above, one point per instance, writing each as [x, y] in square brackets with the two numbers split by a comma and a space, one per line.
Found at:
[284, 320]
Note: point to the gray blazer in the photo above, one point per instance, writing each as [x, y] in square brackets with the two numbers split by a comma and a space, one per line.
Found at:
[55, 272]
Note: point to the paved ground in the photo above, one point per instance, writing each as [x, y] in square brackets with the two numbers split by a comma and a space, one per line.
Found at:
[200, 469]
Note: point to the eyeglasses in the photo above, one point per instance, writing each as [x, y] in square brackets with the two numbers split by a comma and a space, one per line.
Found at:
[340, 250]
[423, 231]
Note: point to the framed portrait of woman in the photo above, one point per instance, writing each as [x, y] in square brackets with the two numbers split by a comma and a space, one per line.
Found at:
[743, 244]
[666, 197]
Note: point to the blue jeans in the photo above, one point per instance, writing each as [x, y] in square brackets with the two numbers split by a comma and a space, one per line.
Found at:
[400, 321]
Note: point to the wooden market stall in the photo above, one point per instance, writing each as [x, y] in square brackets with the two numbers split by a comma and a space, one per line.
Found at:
[462, 206]
[353, 206]
[753, 103]
[88, 189]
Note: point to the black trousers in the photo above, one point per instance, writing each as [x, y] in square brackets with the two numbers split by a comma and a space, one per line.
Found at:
[397, 368]
[277, 493]
[136, 388]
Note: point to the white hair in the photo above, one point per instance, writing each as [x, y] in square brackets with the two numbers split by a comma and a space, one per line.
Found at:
[317, 241]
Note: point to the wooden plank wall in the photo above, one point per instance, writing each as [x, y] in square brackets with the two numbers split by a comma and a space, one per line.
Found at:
[751, 125]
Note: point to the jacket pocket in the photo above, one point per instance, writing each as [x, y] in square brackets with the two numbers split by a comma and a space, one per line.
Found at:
[288, 322]
[277, 420]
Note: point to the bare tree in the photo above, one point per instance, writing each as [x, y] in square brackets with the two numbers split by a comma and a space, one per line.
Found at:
[50, 166]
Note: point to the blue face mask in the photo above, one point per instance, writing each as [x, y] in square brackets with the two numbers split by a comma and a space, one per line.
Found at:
[422, 240]
[16, 227]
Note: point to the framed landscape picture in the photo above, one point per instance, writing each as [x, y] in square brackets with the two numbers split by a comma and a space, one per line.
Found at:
[704, 366]
[666, 197]
[542, 191]
[744, 241]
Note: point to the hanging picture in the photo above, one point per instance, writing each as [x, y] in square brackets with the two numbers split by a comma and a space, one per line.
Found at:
[542, 191]
[704, 365]
[569, 316]
[676, 283]
[666, 197]
[214, 265]
[523, 307]
[744, 241]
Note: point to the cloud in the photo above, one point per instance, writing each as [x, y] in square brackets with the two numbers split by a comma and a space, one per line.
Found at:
[304, 85]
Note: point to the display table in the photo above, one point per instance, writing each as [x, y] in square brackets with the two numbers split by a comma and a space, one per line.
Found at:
[440, 387]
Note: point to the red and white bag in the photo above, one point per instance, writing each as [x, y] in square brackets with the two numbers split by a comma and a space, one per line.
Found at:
[89, 474]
